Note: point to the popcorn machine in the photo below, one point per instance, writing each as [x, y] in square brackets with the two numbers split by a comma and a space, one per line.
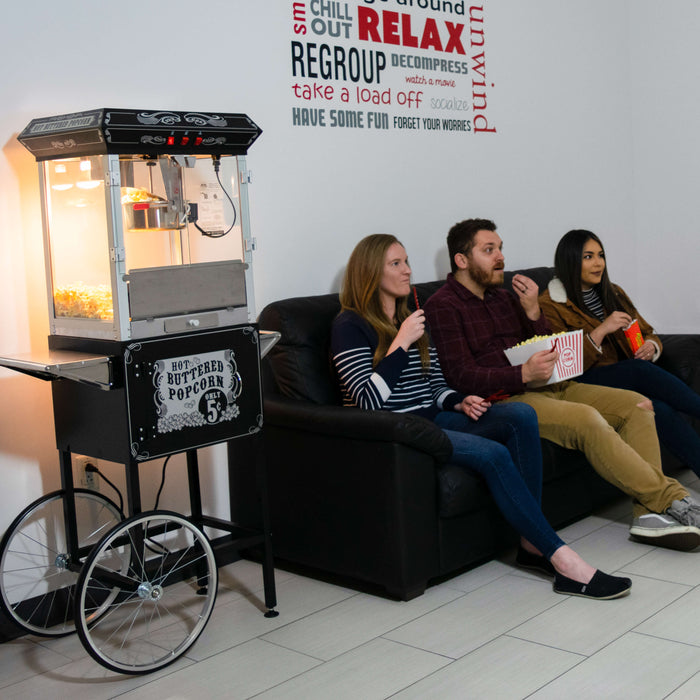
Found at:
[148, 270]
[153, 350]
[145, 221]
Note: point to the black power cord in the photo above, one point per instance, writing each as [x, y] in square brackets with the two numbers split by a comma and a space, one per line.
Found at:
[193, 209]
[162, 482]
[90, 467]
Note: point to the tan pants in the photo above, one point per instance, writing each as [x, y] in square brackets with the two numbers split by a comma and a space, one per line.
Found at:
[618, 438]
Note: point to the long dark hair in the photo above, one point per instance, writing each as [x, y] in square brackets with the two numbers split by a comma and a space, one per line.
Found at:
[567, 265]
[360, 293]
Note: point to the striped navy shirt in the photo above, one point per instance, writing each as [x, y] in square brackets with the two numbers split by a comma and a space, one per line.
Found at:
[593, 303]
[397, 383]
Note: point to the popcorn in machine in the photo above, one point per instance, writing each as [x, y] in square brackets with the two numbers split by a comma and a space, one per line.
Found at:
[153, 350]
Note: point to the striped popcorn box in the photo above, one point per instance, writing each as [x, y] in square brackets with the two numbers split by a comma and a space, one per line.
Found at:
[570, 362]
[570, 348]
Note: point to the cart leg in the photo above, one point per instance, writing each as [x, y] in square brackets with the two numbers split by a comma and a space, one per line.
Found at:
[66, 465]
[249, 502]
[268, 559]
[195, 488]
[269, 582]
[133, 488]
[196, 509]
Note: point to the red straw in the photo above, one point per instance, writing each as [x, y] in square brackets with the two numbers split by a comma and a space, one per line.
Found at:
[497, 396]
[415, 297]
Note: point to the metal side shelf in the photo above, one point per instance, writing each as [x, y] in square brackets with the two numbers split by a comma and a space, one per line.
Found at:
[82, 367]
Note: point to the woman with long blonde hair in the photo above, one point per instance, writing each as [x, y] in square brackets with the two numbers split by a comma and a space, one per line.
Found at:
[384, 360]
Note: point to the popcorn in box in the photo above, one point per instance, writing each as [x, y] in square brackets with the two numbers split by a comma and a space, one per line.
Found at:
[569, 346]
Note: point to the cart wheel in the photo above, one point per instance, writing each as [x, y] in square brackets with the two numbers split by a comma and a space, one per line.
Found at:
[158, 575]
[37, 587]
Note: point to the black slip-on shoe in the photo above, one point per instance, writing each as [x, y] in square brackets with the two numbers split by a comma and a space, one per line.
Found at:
[528, 560]
[600, 587]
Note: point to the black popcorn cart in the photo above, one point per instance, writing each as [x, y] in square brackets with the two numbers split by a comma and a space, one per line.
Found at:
[153, 350]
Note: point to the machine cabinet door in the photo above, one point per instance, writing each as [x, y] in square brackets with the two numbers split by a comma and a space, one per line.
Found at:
[192, 390]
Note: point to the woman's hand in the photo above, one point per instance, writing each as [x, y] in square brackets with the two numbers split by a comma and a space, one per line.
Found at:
[410, 331]
[473, 406]
[616, 320]
[646, 352]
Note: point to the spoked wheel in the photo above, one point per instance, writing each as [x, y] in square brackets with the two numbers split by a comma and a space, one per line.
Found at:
[37, 587]
[146, 592]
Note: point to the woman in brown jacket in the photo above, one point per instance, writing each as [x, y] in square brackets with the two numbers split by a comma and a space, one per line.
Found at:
[581, 296]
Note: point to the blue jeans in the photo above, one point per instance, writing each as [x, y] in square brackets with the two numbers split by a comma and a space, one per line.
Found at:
[503, 446]
[670, 396]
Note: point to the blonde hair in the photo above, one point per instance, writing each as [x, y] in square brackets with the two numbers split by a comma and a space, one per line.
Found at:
[360, 293]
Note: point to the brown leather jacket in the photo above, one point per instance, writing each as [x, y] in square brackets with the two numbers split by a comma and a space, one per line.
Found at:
[564, 315]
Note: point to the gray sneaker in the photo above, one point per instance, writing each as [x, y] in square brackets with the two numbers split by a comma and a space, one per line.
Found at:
[693, 506]
[685, 511]
[677, 528]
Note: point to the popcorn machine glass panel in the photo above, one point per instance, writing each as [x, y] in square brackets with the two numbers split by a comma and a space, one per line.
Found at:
[76, 216]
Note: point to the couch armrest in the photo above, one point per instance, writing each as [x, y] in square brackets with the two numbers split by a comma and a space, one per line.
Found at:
[355, 423]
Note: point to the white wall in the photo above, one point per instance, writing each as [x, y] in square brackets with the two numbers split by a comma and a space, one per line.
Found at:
[594, 104]
[665, 108]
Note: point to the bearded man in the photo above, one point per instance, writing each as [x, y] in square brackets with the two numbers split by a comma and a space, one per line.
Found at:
[473, 320]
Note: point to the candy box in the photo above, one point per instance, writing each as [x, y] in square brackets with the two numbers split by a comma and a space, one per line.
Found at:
[570, 348]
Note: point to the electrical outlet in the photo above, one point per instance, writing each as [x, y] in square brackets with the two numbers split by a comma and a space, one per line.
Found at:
[91, 480]
[88, 479]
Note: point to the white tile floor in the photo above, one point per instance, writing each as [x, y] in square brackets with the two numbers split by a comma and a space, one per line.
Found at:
[494, 632]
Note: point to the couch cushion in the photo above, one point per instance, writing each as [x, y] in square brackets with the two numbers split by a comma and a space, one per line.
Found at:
[541, 275]
[300, 361]
[460, 491]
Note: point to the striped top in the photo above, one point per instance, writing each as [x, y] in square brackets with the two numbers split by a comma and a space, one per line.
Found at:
[593, 303]
[397, 383]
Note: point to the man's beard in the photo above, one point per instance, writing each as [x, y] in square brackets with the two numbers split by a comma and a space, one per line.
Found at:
[485, 278]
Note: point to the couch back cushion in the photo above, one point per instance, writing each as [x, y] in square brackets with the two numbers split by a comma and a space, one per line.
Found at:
[300, 361]
[541, 275]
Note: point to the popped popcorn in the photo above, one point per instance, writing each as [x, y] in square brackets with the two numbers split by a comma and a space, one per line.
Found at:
[84, 301]
[535, 338]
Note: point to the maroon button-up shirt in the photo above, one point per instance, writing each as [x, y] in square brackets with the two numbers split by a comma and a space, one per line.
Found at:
[471, 334]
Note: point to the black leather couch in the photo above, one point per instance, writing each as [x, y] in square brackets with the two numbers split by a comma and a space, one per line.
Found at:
[370, 496]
